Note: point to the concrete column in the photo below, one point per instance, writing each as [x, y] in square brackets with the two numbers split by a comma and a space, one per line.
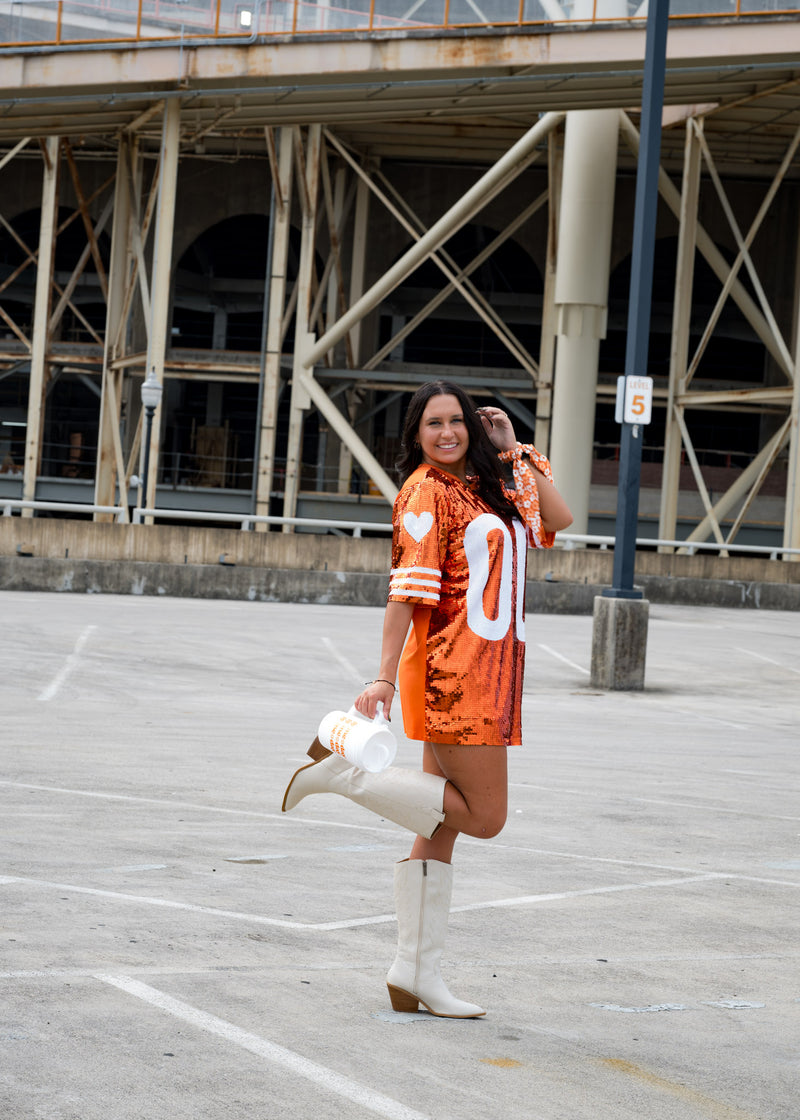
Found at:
[619, 643]
[41, 318]
[581, 297]
[547, 348]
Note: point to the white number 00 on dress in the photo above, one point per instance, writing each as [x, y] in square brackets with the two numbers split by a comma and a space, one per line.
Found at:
[477, 549]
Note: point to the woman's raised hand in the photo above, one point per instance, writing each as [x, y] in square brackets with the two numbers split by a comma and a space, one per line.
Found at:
[498, 427]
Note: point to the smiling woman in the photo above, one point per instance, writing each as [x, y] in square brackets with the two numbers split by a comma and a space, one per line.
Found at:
[458, 584]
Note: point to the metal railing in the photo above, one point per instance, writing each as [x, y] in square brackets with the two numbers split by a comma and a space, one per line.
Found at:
[246, 521]
[35, 23]
[11, 504]
[569, 541]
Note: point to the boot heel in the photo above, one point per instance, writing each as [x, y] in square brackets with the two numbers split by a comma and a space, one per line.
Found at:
[402, 1001]
[317, 751]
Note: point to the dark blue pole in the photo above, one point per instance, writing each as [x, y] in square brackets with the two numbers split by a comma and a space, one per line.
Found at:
[641, 293]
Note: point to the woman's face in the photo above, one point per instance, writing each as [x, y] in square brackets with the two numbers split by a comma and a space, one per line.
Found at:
[443, 436]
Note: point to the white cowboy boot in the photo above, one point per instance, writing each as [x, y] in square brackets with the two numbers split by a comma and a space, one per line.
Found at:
[423, 889]
[410, 798]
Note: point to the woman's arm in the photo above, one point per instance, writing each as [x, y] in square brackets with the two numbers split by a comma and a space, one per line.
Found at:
[396, 622]
[554, 510]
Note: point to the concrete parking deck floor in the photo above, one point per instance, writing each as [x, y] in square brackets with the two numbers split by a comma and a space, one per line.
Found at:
[173, 946]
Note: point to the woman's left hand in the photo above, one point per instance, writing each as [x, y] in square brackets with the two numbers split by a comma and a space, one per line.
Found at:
[375, 692]
[498, 427]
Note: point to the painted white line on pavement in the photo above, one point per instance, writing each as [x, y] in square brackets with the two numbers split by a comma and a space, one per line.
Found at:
[163, 801]
[353, 923]
[343, 661]
[326, 1079]
[68, 667]
[560, 895]
[632, 863]
[621, 797]
[194, 908]
[561, 657]
[772, 661]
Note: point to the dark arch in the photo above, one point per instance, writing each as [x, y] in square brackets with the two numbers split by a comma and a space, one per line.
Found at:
[224, 269]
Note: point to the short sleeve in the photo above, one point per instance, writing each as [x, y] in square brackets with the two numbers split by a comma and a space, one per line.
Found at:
[419, 544]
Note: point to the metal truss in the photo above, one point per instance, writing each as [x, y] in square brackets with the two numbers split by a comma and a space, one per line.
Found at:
[683, 366]
[320, 178]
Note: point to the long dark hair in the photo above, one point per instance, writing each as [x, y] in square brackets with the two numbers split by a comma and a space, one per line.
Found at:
[482, 454]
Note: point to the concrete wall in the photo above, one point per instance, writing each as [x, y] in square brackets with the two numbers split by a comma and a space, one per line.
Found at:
[79, 556]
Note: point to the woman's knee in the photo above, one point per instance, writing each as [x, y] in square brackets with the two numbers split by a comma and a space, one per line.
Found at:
[490, 822]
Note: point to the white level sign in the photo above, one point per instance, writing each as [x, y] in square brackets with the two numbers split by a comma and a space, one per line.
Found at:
[634, 400]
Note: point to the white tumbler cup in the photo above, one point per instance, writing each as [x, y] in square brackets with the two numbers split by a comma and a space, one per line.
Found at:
[366, 743]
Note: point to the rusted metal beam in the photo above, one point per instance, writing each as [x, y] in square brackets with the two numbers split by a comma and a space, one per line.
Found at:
[41, 317]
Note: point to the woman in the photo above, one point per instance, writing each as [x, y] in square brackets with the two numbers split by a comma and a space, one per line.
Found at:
[458, 581]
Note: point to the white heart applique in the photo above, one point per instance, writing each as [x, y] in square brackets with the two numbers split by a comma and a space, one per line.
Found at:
[418, 527]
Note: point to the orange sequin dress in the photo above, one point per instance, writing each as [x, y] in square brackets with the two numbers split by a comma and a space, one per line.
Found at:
[463, 568]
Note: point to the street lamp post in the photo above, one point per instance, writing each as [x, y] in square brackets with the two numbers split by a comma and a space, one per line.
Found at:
[619, 636]
[152, 390]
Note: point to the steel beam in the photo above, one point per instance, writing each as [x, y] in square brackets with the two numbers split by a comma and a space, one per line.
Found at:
[743, 256]
[513, 162]
[707, 248]
[681, 325]
[358, 267]
[158, 339]
[275, 295]
[723, 505]
[448, 266]
[110, 467]
[308, 189]
[51, 151]
[791, 523]
[449, 288]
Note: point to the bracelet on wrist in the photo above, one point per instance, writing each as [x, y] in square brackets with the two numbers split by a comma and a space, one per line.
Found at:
[381, 680]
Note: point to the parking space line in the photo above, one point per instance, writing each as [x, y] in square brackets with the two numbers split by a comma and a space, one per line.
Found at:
[353, 923]
[347, 665]
[325, 1079]
[523, 900]
[770, 660]
[283, 817]
[561, 657]
[69, 665]
[625, 797]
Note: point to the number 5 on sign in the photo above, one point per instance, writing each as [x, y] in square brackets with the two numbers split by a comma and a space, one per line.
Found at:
[634, 400]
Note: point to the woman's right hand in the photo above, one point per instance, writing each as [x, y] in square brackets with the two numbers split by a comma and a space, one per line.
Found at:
[367, 701]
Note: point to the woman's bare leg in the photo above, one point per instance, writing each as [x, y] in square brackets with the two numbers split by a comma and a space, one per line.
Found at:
[475, 799]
